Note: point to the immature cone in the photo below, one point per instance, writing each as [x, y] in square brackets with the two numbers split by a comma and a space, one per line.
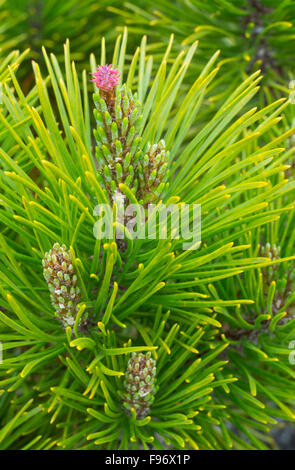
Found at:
[140, 379]
[62, 283]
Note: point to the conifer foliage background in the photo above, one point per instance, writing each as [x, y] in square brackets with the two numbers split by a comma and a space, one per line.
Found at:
[139, 344]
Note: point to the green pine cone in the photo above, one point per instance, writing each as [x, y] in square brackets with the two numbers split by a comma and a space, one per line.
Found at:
[62, 283]
[140, 379]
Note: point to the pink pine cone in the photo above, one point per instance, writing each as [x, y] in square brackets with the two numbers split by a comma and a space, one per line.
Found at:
[106, 77]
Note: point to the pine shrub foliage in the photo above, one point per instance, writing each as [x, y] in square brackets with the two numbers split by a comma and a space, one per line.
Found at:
[251, 34]
[202, 334]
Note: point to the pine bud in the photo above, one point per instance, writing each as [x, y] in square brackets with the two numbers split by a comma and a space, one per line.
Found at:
[140, 388]
[62, 283]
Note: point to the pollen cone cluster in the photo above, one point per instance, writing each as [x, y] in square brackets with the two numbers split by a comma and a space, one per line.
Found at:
[119, 154]
[285, 281]
[140, 379]
[62, 283]
[272, 252]
[152, 172]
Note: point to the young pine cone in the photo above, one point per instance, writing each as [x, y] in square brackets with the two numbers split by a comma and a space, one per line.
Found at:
[62, 283]
[140, 379]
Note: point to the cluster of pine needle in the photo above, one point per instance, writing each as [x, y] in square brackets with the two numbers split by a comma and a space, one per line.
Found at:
[138, 343]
